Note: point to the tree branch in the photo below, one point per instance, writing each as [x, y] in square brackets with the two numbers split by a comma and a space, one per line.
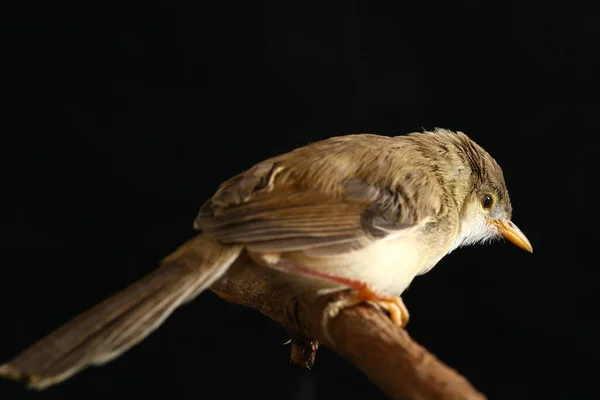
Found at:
[363, 335]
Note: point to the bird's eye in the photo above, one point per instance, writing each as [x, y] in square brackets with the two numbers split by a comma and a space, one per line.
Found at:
[487, 201]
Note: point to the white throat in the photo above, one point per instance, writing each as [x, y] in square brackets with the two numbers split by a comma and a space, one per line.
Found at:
[474, 231]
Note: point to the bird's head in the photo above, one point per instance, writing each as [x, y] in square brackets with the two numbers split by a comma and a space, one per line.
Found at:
[486, 215]
[480, 192]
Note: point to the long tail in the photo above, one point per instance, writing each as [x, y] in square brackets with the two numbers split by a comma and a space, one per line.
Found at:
[115, 325]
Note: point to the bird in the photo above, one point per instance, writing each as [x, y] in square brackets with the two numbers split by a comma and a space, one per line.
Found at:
[361, 212]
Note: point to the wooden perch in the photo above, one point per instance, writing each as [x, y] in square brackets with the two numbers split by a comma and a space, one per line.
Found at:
[363, 335]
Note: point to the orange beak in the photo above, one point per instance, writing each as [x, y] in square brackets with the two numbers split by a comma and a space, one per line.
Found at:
[513, 234]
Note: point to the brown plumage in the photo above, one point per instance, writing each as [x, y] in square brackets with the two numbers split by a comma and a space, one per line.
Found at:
[335, 190]
[365, 212]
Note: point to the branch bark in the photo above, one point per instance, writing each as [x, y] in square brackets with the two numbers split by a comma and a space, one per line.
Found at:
[363, 335]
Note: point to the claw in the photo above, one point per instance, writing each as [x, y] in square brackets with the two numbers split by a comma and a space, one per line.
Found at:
[393, 305]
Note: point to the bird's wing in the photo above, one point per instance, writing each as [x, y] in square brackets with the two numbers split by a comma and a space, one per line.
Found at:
[324, 196]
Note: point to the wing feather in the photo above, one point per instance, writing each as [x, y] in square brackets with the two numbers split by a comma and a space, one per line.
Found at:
[291, 203]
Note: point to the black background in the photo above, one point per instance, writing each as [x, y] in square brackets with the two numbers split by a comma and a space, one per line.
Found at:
[126, 118]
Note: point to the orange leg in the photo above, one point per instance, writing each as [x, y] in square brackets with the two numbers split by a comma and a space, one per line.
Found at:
[364, 293]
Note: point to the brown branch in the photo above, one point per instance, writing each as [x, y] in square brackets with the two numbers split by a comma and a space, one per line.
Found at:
[363, 335]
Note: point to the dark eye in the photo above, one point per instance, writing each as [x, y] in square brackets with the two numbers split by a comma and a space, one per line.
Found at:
[487, 201]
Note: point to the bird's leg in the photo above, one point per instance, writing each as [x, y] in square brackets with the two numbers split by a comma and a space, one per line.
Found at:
[392, 304]
[364, 293]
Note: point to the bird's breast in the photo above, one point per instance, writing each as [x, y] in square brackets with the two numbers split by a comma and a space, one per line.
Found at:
[388, 264]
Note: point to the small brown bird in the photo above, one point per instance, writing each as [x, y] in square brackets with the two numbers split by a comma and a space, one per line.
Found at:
[364, 212]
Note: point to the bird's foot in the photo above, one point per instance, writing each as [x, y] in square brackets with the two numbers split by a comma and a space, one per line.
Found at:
[364, 294]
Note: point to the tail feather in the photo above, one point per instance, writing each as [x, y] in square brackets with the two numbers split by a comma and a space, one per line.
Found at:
[115, 325]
